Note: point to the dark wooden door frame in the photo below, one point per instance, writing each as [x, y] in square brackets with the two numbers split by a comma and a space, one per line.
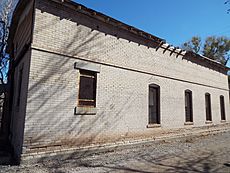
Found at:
[157, 99]
[222, 108]
[188, 106]
[208, 107]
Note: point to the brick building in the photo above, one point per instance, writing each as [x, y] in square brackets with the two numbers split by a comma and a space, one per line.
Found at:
[80, 78]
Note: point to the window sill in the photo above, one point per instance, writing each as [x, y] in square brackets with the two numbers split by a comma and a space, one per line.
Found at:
[223, 121]
[153, 125]
[85, 111]
[188, 123]
[208, 122]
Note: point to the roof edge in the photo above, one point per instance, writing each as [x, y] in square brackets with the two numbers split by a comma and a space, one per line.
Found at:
[14, 22]
[107, 19]
[120, 25]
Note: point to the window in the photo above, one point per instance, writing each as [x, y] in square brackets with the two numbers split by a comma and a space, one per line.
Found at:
[154, 104]
[208, 107]
[188, 106]
[20, 75]
[87, 89]
[222, 108]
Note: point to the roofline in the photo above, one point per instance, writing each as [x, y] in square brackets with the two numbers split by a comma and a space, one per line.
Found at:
[107, 19]
[120, 25]
[14, 23]
[208, 60]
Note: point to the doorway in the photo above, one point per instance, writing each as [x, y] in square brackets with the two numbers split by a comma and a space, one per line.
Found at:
[154, 104]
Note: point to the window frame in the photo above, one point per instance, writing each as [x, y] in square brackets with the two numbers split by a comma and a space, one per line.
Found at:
[190, 119]
[158, 117]
[208, 108]
[89, 74]
[19, 85]
[222, 108]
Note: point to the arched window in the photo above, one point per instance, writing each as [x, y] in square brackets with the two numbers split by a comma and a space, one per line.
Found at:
[222, 108]
[154, 104]
[208, 107]
[188, 106]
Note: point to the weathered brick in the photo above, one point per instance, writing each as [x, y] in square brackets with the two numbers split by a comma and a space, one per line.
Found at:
[127, 70]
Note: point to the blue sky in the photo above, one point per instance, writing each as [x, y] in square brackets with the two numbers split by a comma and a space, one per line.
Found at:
[176, 21]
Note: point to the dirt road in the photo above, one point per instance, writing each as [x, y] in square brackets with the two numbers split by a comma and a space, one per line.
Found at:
[203, 154]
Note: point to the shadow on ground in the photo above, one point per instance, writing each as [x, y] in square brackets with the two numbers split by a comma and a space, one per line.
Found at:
[144, 161]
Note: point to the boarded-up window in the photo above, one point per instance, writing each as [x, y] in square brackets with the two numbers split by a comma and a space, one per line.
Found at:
[222, 108]
[154, 104]
[188, 106]
[208, 107]
[87, 89]
[19, 87]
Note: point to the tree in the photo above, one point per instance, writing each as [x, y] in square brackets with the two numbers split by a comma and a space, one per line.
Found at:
[193, 45]
[227, 2]
[216, 48]
[6, 9]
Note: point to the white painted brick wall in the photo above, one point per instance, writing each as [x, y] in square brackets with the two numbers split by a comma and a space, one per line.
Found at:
[122, 94]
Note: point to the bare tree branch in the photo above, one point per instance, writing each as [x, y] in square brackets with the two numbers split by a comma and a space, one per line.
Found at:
[227, 2]
[6, 10]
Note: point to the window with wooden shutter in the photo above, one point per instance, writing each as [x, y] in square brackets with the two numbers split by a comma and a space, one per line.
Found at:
[87, 89]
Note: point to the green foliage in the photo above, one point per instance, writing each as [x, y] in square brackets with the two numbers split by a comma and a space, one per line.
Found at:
[216, 48]
[193, 45]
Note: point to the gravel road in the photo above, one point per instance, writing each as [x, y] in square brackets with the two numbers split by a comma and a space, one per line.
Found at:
[201, 154]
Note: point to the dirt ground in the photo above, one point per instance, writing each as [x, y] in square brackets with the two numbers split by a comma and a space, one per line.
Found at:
[201, 154]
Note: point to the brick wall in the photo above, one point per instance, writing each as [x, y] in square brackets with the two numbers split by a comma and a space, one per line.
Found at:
[19, 111]
[63, 37]
[20, 84]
